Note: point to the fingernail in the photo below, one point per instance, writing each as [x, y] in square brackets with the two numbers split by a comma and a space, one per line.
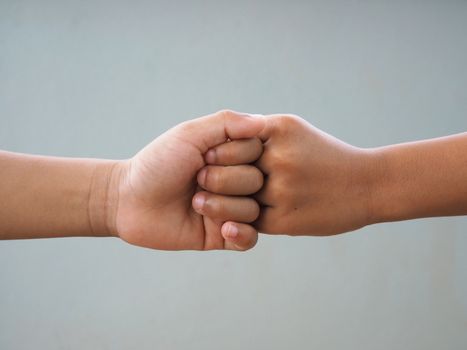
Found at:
[211, 156]
[232, 231]
[202, 177]
[198, 202]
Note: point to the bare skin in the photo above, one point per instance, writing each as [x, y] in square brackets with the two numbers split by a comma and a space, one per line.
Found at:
[315, 185]
[318, 185]
[145, 200]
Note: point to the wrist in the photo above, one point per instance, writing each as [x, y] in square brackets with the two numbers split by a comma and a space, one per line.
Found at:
[381, 207]
[364, 176]
[104, 193]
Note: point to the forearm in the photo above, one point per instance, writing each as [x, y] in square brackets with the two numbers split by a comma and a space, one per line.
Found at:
[421, 179]
[55, 197]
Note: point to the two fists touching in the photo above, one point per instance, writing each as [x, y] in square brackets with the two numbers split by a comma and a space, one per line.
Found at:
[213, 182]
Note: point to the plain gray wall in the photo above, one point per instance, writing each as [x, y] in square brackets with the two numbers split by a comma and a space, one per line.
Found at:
[103, 78]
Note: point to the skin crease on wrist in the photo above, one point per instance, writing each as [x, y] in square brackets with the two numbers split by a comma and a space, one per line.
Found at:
[318, 185]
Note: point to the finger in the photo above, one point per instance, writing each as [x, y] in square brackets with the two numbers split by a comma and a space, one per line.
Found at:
[239, 236]
[269, 221]
[274, 191]
[264, 163]
[223, 208]
[269, 127]
[212, 130]
[231, 180]
[267, 195]
[277, 124]
[235, 152]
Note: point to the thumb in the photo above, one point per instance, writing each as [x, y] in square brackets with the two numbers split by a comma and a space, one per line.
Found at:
[214, 129]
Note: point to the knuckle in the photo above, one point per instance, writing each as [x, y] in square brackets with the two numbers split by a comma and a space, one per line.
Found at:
[216, 206]
[213, 179]
[226, 153]
[282, 158]
[278, 192]
[254, 211]
[255, 179]
[255, 149]
[286, 121]
[259, 178]
[257, 145]
[275, 156]
[224, 113]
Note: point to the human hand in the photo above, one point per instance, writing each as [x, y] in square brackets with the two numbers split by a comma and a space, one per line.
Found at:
[315, 184]
[156, 186]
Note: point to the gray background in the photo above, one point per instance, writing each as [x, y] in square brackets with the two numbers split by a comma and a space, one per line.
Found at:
[103, 78]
